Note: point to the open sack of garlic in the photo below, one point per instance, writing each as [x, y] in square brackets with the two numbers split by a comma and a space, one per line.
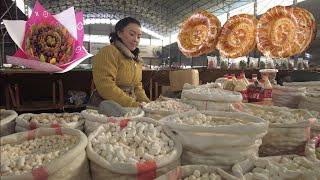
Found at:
[210, 96]
[140, 148]
[217, 138]
[29, 121]
[7, 121]
[310, 101]
[44, 153]
[164, 106]
[277, 167]
[197, 172]
[93, 119]
[287, 96]
[312, 150]
[289, 129]
[315, 127]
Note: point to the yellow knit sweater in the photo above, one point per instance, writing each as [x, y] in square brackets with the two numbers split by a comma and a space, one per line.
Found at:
[111, 69]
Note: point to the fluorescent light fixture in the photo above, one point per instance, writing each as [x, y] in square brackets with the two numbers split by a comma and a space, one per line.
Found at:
[114, 21]
[20, 5]
[152, 33]
[105, 40]
[1, 22]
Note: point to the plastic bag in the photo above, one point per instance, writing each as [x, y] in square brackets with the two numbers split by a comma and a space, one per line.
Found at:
[7, 122]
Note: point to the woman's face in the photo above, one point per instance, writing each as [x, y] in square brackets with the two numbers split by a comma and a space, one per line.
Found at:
[130, 36]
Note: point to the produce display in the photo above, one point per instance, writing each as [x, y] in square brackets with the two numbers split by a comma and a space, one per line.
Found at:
[169, 105]
[136, 142]
[278, 115]
[199, 34]
[21, 158]
[212, 92]
[54, 118]
[200, 119]
[277, 167]
[131, 113]
[197, 175]
[237, 36]
[216, 130]
[49, 43]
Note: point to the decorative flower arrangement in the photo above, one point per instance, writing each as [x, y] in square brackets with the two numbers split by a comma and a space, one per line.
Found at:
[51, 43]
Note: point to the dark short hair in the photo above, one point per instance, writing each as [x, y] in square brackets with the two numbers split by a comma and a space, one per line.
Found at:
[120, 26]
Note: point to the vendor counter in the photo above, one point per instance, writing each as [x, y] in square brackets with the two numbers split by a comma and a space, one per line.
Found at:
[25, 90]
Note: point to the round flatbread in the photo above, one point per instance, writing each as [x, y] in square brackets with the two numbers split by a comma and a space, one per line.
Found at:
[198, 34]
[285, 31]
[237, 36]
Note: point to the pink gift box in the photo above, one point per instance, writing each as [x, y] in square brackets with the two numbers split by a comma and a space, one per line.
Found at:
[72, 21]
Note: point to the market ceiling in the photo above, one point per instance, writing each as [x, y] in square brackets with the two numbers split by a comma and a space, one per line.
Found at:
[161, 16]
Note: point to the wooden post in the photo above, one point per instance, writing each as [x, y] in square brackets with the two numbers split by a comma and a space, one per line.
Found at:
[17, 92]
[54, 93]
[150, 88]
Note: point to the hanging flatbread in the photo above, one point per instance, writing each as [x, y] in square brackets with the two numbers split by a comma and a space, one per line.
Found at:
[237, 36]
[198, 34]
[285, 31]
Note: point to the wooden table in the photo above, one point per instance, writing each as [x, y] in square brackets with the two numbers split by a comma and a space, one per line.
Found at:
[25, 90]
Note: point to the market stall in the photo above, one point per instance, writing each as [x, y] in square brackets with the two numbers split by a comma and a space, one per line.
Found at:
[235, 115]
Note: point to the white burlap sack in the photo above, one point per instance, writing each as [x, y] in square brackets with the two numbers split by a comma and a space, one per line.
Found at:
[222, 145]
[282, 138]
[210, 97]
[212, 94]
[19, 128]
[302, 84]
[209, 105]
[73, 165]
[102, 169]
[158, 114]
[93, 121]
[310, 101]
[311, 152]
[315, 128]
[272, 168]
[7, 122]
[23, 124]
[287, 96]
[184, 171]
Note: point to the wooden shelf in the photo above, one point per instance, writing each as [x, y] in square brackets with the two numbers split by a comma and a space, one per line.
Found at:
[19, 87]
[37, 106]
[31, 106]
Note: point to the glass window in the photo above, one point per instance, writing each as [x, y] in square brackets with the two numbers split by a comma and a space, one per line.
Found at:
[247, 9]
[264, 5]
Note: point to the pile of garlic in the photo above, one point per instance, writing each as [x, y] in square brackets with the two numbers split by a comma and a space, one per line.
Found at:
[201, 119]
[171, 105]
[4, 114]
[132, 112]
[206, 176]
[137, 142]
[211, 92]
[55, 118]
[21, 158]
[283, 167]
[280, 115]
